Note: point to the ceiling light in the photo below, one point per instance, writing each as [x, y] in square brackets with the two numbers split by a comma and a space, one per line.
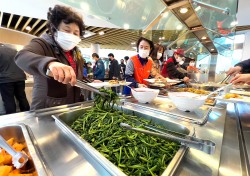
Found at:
[212, 49]
[179, 27]
[132, 43]
[163, 38]
[165, 14]
[84, 6]
[126, 26]
[143, 18]
[197, 8]
[28, 28]
[101, 33]
[234, 23]
[204, 38]
[183, 10]
[159, 38]
[88, 34]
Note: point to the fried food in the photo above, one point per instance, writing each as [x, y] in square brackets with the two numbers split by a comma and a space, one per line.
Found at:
[232, 95]
[193, 90]
[113, 82]
[6, 166]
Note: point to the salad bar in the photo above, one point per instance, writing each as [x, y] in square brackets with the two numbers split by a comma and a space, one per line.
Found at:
[126, 137]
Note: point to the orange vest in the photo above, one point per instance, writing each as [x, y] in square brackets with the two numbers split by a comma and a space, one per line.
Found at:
[141, 72]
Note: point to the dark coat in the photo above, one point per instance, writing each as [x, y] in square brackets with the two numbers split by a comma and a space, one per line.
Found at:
[34, 59]
[245, 65]
[114, 69]
[9, 71]
[170, 70]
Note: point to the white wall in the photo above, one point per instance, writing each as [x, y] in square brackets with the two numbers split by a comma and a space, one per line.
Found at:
[243, 13]
[246, 46]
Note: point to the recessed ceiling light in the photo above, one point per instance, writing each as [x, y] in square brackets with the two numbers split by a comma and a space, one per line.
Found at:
[204, 38]
[183, 10]
[179, 27]
[197, 8]
[126, 26]
[101, 33]
[28, 28]
[165, 14]
[212, 49]
[84, 6]
[143, 18]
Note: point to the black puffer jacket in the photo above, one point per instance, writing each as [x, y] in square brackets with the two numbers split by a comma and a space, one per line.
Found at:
[9, 71]
[34, 59]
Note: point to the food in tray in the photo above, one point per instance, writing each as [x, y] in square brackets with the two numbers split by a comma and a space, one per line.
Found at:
[113, 82]
[6, 166]
[232, 95]
[134, 153]
[158, 80]
[210, 101]
[193, 90]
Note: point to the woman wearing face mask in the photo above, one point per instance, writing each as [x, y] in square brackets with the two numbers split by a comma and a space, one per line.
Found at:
[157, 56]
[56, 51]
[139, 66]
[170, 66]
[191, 67]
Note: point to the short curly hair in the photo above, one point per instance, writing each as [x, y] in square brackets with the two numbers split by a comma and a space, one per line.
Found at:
[64, 14]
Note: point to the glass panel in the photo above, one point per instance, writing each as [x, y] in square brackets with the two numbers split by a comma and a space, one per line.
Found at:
[190, 44]
[129, 14]
[215, 20]
[224, 44]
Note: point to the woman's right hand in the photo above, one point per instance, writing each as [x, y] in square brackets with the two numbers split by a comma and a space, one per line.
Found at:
[62, 73]
[234, 70]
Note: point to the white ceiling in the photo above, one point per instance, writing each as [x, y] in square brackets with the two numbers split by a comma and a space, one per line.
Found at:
[39, 8]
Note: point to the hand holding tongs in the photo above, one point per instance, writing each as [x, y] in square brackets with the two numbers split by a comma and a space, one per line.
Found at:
[225, 79]
[18, 158]
[81, 84]
[202, 145]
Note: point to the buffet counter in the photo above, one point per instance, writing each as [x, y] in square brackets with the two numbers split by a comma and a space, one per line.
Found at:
[64, 156]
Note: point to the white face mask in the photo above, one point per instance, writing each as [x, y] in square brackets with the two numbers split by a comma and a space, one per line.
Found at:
[159, 55]
[179, 59]
[143, 53]
[66, 41]
[181, 62]
[192, 64]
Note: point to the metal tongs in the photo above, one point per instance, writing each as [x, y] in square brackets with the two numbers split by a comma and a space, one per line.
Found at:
[81, 84]
[19, 159]
[205, 146]
[225, 79]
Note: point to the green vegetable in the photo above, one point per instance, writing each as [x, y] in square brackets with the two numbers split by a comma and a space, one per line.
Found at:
[134, 153]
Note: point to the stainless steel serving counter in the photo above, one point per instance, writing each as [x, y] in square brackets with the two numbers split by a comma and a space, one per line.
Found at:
[63, 157]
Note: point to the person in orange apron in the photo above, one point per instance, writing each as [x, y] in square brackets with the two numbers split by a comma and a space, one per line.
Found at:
[139, 66]
[170, 66]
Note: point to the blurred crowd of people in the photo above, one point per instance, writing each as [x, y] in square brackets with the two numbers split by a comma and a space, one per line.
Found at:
[150, 62]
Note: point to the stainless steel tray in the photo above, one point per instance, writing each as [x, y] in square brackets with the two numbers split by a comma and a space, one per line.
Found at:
[65, 120]
[22, 134]
[199, 116]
